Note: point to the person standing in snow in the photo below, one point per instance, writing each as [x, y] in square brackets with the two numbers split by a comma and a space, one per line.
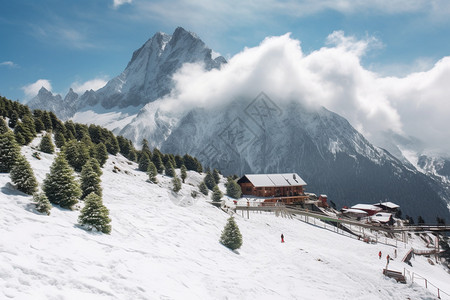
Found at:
[282, 238]
[379, 255]
[387, 261]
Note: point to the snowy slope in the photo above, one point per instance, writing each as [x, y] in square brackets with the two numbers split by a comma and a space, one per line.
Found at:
[166, 247]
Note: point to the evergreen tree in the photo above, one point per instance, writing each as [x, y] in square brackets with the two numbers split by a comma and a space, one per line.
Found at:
[170, 171]
[112, 146]
[3, 127]
[183, 172]
[420, 220]
[60, 140]
[102, 154]
[144, 162]
[216, 176]
[60, 185]
[156, 159]
[217, 194]
[146, 148]
[203, 188]
[95, 166]
[42, 203]
[90, 181]
[209, 180]
[28, 122]
[233, 188]
[23, 177]
[132, 155]
[179, 161]
[14, 117]
[231, 236]
[47, 121]
[152, 172]
[46, 144]
[77, 154]
[94, 214]
[9, 151]
[176, 182]
[23, 132]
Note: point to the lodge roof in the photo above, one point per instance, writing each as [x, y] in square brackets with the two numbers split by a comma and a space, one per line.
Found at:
[273, 180]
[388, 205]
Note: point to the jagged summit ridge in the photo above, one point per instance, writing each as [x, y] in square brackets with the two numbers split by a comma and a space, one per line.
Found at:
[147, 76]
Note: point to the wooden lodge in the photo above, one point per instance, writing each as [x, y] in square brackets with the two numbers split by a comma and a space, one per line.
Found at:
[287, 187]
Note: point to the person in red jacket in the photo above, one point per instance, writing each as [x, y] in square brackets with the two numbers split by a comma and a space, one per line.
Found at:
[379, 255]
[282, 238]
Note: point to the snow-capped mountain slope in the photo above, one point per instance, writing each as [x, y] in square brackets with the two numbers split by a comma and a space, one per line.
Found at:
[166, 247]
[147, 77]
[45, 100]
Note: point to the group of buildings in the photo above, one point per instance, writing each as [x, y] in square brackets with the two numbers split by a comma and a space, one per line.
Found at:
[289, 189]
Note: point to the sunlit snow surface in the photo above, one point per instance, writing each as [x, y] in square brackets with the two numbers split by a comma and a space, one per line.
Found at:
[164, 246]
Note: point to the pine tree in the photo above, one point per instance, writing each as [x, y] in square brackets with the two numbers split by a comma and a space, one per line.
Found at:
[217, 194]
[9, 151]
[231, 236]
[179, 161]
[60, 185]
[90, 181]
[203, 188]
[233, 188]
[176, 182]
[132, 155]
[23, 177]
[94, 214]
[156, 159]
[144, 162]
[152, 172]
[3, 127]
[170, 171]
[420, 220]
[13, 119]
[42, 203]
[95, 166]
[183, 172]
[24, 133]
[209, 180]
[77, 154]
[216, 176]
[60, 140]
[46, 144]
[102, 154]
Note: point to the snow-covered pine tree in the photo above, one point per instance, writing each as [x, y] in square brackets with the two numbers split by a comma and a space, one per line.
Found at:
[102, 154]
[209, 180]
[60, 185]
[233, 188]
[203, 188]
[157, 160]
[95, 165]
[216, 176]
[9, 151]
[77, 154]
[144, 161]
[46, 144]
[183, 171]
[152, 172]
[60, 140]
[169, 170]
[176, 182]
[42, 203]
[3, 127]
[90, 181]
[231, 236]
[94, 214]
[217, 194]
[23, 177]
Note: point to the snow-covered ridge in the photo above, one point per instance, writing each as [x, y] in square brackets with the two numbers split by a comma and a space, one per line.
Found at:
[164, 246]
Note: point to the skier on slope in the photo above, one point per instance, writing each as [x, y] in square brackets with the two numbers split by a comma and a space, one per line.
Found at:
[282, 238]
[379, 255]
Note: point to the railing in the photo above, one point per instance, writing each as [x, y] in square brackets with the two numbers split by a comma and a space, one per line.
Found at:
[414, 277]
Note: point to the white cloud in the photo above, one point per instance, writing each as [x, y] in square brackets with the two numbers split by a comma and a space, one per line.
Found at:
[117, 3]
[94, 84]
[32, 89]
[416, 105]
[62, 34]
[8, 64]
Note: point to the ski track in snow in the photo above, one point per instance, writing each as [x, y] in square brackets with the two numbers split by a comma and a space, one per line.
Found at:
[164, 246]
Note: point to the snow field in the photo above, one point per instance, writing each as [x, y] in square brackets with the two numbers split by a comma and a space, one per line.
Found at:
[165, 246]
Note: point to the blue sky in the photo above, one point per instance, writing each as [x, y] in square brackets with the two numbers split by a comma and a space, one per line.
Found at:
[83, 43]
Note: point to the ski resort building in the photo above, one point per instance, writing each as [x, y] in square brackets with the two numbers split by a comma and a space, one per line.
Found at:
[287, 187]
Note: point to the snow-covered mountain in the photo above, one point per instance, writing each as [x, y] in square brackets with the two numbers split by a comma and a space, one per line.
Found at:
[164, 246]
[147, 77]
[254, 135]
